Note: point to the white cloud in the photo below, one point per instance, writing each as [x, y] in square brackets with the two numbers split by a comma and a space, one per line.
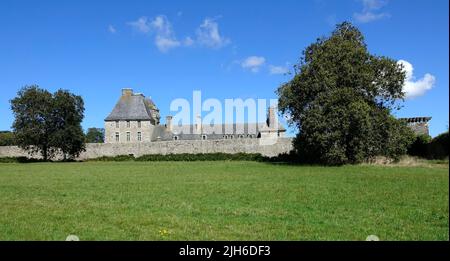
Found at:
[413, 88]
[141, 25]
[253, 63]
[208, 34]
[188, 41]
[164, 44]
[278, 69]
[373, 4]
[368, 16]
[370, 10]
[111, 29]
[164, 35]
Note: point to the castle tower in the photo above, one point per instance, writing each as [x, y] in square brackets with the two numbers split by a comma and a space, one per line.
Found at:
[132, 119]
[169, 126]
[272, 121]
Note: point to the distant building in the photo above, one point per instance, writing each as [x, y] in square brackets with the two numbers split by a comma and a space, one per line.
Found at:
[418, 124]
[136, 118]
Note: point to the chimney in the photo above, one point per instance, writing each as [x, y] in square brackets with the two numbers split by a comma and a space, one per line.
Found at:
[272, 118]
[127, 92]
[169, 123]
[198, 124]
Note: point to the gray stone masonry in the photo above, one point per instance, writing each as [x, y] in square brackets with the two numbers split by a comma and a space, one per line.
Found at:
[94, 150]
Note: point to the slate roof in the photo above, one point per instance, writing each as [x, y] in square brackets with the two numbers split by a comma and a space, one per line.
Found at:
[416, 119]
[132, 107]
[187, 132]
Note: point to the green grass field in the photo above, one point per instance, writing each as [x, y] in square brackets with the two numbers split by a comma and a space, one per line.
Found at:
[221, 201]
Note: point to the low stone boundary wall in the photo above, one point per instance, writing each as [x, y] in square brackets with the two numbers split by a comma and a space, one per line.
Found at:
[95, 150]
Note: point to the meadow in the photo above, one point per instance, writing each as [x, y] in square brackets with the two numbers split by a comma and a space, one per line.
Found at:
[222, 200]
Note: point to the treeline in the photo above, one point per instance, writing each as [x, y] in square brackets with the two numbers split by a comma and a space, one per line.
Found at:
[430, 148]
[93, 135]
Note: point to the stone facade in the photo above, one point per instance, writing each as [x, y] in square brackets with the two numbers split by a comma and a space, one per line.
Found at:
[128, 131]
[418, 124]
[135, 118]
[95, 150]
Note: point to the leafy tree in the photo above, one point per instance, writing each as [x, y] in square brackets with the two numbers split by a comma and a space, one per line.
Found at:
[7, 138]
[420, 145]
[33, 124]
[95, 135]
[340, 99]
[48, 123]
[67, 115]
[438, 147]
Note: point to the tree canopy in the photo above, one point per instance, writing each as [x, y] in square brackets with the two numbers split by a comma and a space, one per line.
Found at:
[48, 123]
[7, 138]
[341, 99]
[95, 135]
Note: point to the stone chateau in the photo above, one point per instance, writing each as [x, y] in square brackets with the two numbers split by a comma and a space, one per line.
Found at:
[133, 128]
[135, 118]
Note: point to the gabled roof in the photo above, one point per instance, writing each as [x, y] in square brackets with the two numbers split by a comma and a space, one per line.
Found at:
[132, 107]
[217, 131]
[228, 128]
[416, 119]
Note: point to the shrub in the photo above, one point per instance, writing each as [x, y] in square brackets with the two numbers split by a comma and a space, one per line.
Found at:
[438, 147]
[420, 146]
[7, 138]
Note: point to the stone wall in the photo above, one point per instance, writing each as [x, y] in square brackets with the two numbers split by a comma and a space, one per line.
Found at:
[94, 150]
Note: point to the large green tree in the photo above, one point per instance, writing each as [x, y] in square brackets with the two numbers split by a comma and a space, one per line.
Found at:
[341, 98]
[95, 135]
[48, 123]
[7, 138]
[68, 113]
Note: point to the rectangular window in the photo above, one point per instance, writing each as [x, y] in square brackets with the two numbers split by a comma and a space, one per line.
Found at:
[139, 136]
[117, 124]
[139, 124]
[128, 136]
[128, 124]
[117, 137]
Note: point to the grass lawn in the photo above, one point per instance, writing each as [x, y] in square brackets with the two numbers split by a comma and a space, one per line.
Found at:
[221, 201]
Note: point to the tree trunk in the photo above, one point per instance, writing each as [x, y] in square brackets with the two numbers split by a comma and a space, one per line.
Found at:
[44, 152]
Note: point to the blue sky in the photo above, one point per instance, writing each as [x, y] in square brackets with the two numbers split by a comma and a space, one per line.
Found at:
[226, 49]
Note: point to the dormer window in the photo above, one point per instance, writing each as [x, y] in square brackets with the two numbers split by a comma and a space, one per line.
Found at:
[128, 124]
[139, 124]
